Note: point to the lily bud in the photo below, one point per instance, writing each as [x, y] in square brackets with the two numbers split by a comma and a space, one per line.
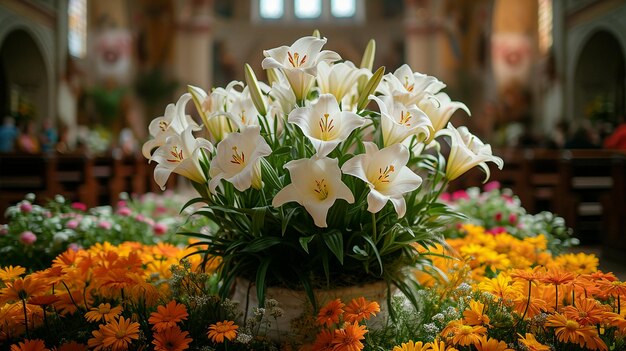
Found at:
[316, 33]
[370, 88]
[255, 91]
[368, 56]
[272, 76]
[198, 96]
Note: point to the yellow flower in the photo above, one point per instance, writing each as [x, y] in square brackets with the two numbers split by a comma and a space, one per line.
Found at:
[475, 315]
[103, 312]
[412, 346]
[9, 273]
[531, 343]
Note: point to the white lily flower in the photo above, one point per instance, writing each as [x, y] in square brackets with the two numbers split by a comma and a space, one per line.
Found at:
[398, 121]
[180, 154]
[439, 110]
[213, 108]
[238, 159]
[325, 124]
[338, 79]
[316, 185]
[174, 121]
[243, 112]
[410, 87]
[466, 152]
[282, 93]
[299, 62]
[387, 175]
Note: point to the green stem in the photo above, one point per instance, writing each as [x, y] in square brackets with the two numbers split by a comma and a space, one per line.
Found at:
[25, 318]
[556, 298]
[374, 233]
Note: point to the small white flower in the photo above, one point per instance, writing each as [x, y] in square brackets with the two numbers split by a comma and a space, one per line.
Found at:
[439, 109]
[338, 79]
[466, 152]
[180, 154]
[299, 62]
[238, 159]
[243, 113]
[386, 174]
[325, 124]
[174, 121]
[315, 184]
[398, 122]
[410, 87]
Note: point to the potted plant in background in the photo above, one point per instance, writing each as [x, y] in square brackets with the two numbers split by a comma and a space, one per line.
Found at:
[309, 189]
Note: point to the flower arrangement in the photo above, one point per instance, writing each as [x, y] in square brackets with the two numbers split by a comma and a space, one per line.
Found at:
[310, 188]
[500, 211]
[36, 234]
[502, 293]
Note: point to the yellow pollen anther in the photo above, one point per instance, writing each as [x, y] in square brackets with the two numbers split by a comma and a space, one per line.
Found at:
[295, 59]
[383, 174]
[238, 158]
[321, 189]
[163, 125]
[176, 154]
[405, 119]
[408, 87]
[326, 126]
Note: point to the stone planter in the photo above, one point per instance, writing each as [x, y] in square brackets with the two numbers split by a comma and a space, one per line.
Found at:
[297, 322]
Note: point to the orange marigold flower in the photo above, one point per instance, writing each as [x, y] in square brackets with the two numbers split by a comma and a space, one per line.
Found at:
[103, 313]
[167, 316]
[466, 335]
[22, 289]
[492, 345]
[221, 330]
[43, 300]
[97, 342]
[72, 346]
[557, 276]
[586, 312]
[612, 287]
[349, 338]
[119, 334]
[568, 330]
[412, 346]
[359, 309]
[531, 343]
[500, 286]
[324, 341]
[439, 345]
[475, 315]
[30, 345]
[171, 339]
[525, 274]
[10, 273]
[330, 313]
[617, 320]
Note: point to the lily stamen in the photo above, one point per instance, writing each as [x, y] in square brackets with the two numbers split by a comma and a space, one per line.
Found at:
[383, 176]
[326, 126]
[178, 155]
[238, 158]
[295, 59]
[405, 119]
[321, 189]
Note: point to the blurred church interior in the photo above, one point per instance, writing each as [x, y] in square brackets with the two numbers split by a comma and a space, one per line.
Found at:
[544, 80]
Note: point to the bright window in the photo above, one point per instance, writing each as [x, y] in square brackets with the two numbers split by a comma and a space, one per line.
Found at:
[77, 28]
[308, 8]
[271, 9]
[343, 8]
[545, 26]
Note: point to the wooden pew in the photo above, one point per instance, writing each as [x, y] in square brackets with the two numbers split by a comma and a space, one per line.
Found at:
[21, 174]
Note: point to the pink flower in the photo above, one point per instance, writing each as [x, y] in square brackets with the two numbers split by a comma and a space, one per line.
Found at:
[159, 229]
[508, 199]
[459, 194]
[104, 225]
[71, 224]
[140, 218]
[28, 237]
[496, 230]
[26, 207]
[445, 197]
[121, 203]
[4, 229]
[124, 211]
[160, 209]
[512, 218]
[74, 247]
[498, 217]
[79, 206]
[493, 185]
